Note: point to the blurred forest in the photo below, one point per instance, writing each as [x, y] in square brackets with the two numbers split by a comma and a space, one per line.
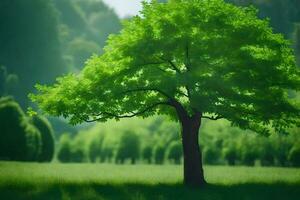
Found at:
[43, 39]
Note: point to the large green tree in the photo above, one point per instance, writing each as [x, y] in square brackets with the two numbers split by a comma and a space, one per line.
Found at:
[190, 60]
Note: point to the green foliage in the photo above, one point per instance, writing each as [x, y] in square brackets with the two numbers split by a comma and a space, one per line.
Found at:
[294, 155]
[155, 60]
[129, 148]
[30, 46]
[297, 42]
[248, 154]
[19, 140]
[47, 137]
[159, 154]
[147, 154]
[3, 75]
[230, 153]
[174, 152]
[220, 142]
[64, 150]
[85, 26]
[282, 13]
[95, 147]
[267, 153]
[8, 82]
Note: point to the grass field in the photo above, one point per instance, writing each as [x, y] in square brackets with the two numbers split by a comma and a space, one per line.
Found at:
[88, 181]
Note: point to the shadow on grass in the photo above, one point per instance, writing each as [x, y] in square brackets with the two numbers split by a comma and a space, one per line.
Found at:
[152, 192]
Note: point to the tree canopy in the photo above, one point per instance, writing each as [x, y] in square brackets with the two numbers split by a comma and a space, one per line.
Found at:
[207, 57]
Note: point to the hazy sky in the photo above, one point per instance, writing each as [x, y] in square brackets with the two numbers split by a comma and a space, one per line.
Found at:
[125, 7]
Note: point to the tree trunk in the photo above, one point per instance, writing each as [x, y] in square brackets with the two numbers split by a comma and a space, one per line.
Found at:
[193, 170]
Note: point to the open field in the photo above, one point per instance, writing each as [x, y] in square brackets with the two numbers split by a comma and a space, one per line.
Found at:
[87, 181]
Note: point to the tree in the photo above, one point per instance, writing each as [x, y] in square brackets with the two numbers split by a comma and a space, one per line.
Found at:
[159, 154]
[297, 42]
[64, 150]
[294, 155]
[47, 137]
[129, 147]
[175, 152]
[95, 147]
[147, 154]
[191, 60]
[3, 77]
[19, 140]
[30, 44]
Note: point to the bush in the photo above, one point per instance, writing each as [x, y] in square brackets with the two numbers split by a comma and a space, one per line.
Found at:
[95, 146]
[147, 154]
[19, 140]
[230, 154]
[159, 154]
[129, 148]
[267, 153]
[211, 155]
[248, 150]
[64, 150]
[294, 155]
[174, 152]
[79, 148]
[107, 151]
[47, 136]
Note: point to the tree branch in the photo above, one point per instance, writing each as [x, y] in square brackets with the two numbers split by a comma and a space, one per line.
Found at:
[212, 117]
[187, 55]
[105, 115]
[172, 64]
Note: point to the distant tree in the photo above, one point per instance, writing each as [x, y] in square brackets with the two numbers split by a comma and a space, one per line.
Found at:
[282, 13]
[95, 147]
[147, 154]
[211, 155]
[129, 148]
[107, 151]
[159, 154]
[174, 152]
[47, 137]
[189, 60]
[85, 26]
[266, 152]
[294, 155]
[64, 149]
[3, 76]
[283, 145]
[248, 150]
[30, 44]
[297, 43]
[8, 82]
[79, 148]
[230, 154]
[19, 140]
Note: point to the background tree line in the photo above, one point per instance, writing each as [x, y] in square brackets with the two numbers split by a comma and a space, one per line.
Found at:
[156, 141]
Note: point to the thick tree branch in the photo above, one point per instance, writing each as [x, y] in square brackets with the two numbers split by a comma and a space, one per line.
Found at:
[105, 115]
[187, 57]
[171, 64]
[212, 117]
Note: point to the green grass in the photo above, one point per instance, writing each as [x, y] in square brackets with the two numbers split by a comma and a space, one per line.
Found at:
[88, 181]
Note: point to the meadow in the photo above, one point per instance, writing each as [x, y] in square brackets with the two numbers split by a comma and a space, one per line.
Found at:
[135, 182]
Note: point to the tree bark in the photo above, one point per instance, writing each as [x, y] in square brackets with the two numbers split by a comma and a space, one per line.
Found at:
[193, 169]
